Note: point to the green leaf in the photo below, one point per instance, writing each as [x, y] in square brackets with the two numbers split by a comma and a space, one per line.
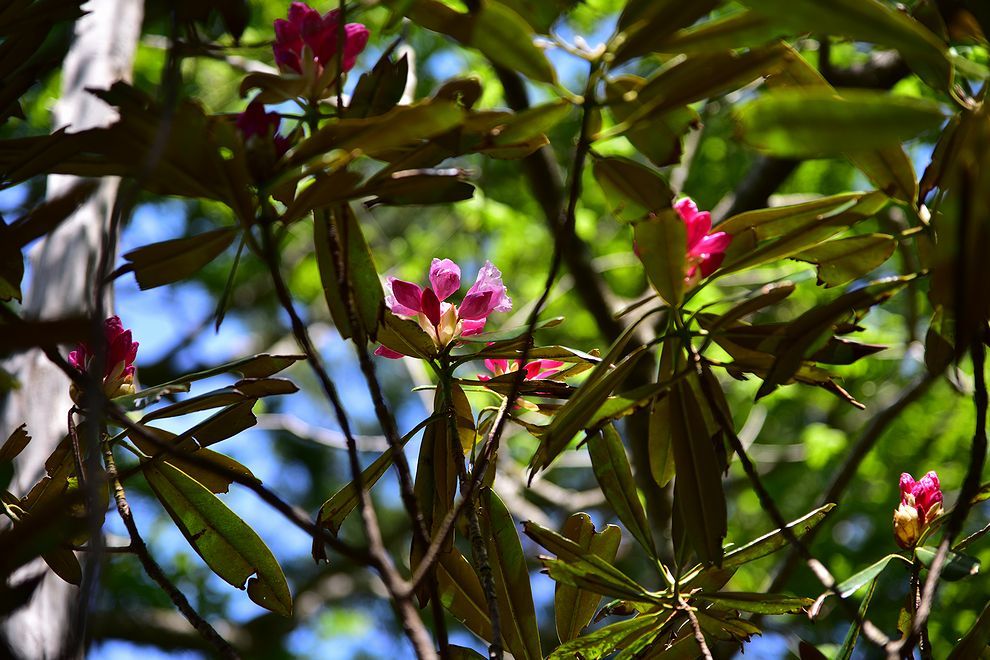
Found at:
[633, 191]
[846, 259]
[974, 643]
[741, 29]
[573, 607]
[648, 28]
[811, 330]
[611, 467]
[698, 491]
[505, 38]
[461, 593]
[601, 642]
[759, 603]
[362, 277]
[405, 336]
[573, 560]
[170, 261]
[849, 643]
[865, 20]
[956, 567]
[226, 543]
[813, 122]
[419, 187]
[775, 540]
[14, 444]
[379, 90]
[512, 591]
[661, 243]
[853, 584]
[532, 122]
[215, 477]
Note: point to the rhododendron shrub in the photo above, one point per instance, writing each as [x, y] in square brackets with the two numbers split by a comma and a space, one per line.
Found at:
[715, 361]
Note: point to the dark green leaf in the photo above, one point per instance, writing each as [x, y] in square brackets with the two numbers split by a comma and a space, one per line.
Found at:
[419, 187]
[461, 593]
[611, 467]
[649, 28]
[633, 191]
[974, 643]
[849, 643]
[775, 540]
[601, 642]
[661, 243]
[853, 584]
[759, 603]
[380, 89]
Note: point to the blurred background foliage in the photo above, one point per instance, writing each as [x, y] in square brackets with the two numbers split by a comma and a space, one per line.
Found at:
[798, 437]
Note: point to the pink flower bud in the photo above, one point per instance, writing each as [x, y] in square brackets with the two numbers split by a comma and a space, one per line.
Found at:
[118, 365]
[705, 251]
[921, 502]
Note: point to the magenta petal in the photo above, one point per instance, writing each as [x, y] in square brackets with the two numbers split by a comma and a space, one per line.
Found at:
[77, 358]
[355, 40]
[407, 294]
[711, 263]
[697, 227]
[469, 327]
[431, 306]
[387, 352]
[907, 484]
[476, 306]
[490, 279]
[717, 242]
[497, 365]
[686, 208]
[445, 277]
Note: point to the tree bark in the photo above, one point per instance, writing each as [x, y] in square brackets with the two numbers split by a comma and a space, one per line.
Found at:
[62, 270]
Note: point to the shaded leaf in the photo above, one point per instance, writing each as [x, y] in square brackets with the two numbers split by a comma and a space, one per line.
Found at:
[226, 543]
[602, 642]
[661, 244]
[849, 643]
[177, 259]
[974, 643]
[573, 607]
[759, 603]
[853, 584]
[611, 467]
[633, 191]
[956, 567]
[846, 259]
[461, 593]
[648, 28]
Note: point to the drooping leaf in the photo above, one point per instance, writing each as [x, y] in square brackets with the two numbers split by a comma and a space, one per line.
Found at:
[362, 282]
[573, 608]
[853, 584]
[226, 543]
[419, 187]
[602, 642]
[216, 476]
[611, 467]
[461, 593]
[170, 261]
[843, 260]
[515, 600]
[647, 29]
[974, 643]
[813, 122]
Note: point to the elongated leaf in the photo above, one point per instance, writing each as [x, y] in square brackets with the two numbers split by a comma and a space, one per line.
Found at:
[737, 30]
[849, 643]
[461, 593]
[866, 20]
[573, 607]
[419, 187]
[611, 467]
[957, 565]
[812, 329]
[532, 123]
[512, 591]
[216, 476]
[633, 191]
[362, 280]
[853, 584]
[601, 573]
[698, 488]
[801, 123]
[174, 260]
[648, 30]
[226, 543]
[759, 603]
[769, 295]
[974, 643]
[405, 336]
[661, 244]
[846, 259]
[380, 89]
[15, 443]
[602, 642]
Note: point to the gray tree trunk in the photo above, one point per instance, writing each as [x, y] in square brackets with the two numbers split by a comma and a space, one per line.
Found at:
[62, 275]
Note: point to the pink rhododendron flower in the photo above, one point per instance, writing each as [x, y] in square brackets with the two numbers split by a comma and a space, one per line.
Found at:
[921, 502]
[535, 370]
[255, 123]
[705, 251]
[118, 367]
[308, 34]
[445, 321]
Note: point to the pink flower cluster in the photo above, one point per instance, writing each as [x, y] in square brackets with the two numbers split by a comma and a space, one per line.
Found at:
[445, 321]
[307, 29]
[705, 251]
[535, 370]
[118, 367]
[921, 502]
